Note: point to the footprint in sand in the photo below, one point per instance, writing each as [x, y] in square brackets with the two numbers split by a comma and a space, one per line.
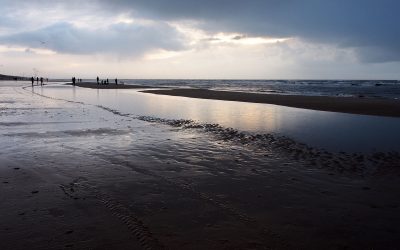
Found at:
[16, 168]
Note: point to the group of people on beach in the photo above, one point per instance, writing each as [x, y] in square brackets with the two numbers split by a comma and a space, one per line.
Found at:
[74, 80]
[41, 79]
[106, 81]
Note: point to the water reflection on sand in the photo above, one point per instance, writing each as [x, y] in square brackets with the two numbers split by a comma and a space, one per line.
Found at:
[329, 130]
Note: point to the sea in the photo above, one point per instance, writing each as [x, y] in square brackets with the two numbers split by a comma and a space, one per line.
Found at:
[348, 88]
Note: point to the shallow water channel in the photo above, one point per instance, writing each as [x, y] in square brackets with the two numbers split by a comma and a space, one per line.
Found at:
[326, 130]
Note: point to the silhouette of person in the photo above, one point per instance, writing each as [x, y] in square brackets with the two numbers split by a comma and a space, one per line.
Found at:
[41, 81]
[37, 81]
[73, 81]
[33, 80]
[116, 81]
[107, 81]
[97, 80]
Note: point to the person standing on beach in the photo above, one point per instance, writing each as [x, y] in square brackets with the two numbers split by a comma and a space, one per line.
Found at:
[98, 80]
[33, 80]
[116, 81]
[107, 81]
[73, 81]
[37, 81]
[41, 81]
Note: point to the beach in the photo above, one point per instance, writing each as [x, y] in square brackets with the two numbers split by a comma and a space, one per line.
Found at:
[78, 175]
[227, 125]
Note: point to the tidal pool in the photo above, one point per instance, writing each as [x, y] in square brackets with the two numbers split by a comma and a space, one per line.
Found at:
[327, 130]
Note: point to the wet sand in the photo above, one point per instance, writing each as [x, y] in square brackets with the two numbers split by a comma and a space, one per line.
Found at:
[365, 106]
[78, 176]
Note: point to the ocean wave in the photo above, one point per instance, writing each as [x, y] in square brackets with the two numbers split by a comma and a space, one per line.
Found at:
[381, 88]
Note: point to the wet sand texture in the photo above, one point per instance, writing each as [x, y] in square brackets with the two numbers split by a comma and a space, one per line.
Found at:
[81, 176]
[365, 106]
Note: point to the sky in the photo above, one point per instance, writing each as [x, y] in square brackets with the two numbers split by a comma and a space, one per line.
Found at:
[208, 39]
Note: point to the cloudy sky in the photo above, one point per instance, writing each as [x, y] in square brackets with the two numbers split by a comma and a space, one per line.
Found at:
[210, 39]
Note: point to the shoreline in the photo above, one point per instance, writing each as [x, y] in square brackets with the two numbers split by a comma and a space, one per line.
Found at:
[351, 105]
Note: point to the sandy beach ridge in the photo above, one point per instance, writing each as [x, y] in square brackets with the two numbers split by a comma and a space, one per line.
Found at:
[352, 105]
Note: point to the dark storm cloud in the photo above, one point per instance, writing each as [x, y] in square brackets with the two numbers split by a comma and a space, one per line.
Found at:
[122, 39]
[369, 26]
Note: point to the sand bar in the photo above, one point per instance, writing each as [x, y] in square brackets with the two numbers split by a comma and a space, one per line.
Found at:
[353, 105]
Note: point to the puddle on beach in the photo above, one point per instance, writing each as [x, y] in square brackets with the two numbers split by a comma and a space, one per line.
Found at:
[325, 130]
